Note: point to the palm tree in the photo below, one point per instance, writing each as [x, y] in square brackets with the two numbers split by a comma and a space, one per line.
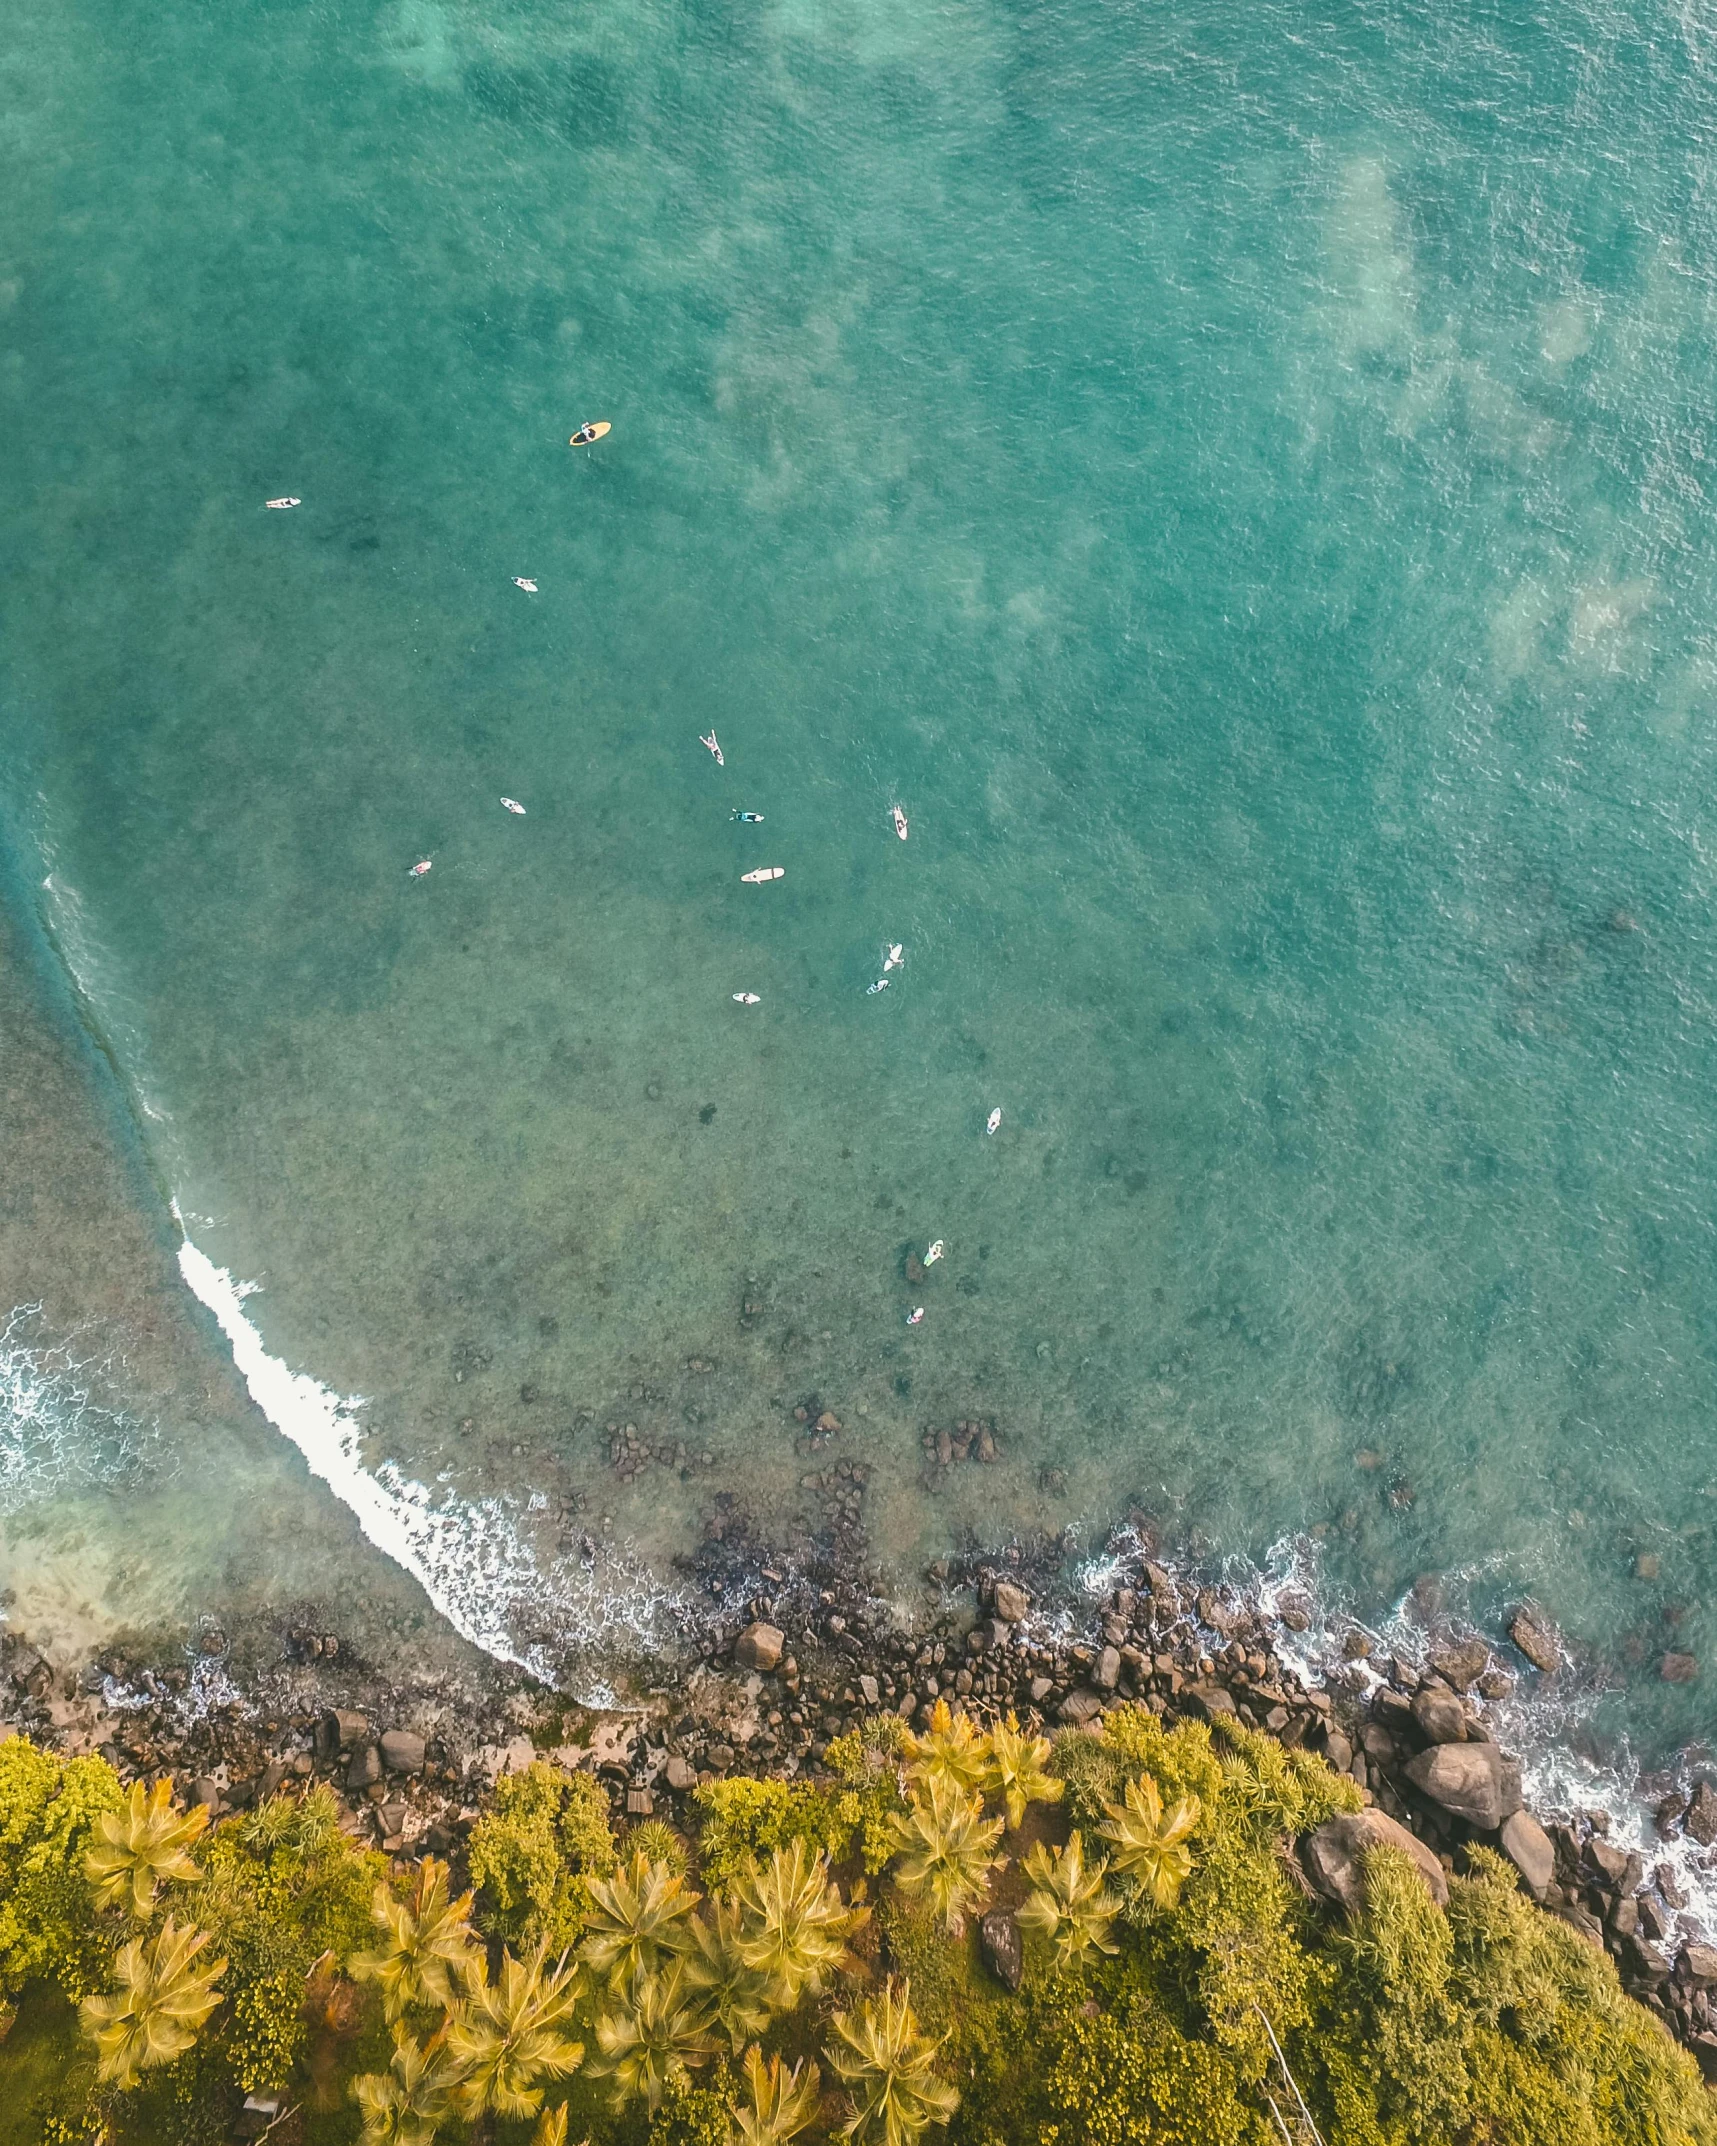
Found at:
[638, 1919]
[1148, 1846]
[163, 1999]
[1016, 1771]
[662, 2023]
[886, 2065]
[429, 1946]
[945, 1846]
[738, 1994]
[950, 1750]
[795, 1922]
[782, 2103]
[551, 2128]
[142, 1846]
[1069, 1904]
[407, 2105]
[508, 2041]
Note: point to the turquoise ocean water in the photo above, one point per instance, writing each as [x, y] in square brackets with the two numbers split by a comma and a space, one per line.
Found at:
[1242, 480]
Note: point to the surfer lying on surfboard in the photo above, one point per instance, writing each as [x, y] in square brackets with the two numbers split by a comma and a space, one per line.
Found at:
[899, 821]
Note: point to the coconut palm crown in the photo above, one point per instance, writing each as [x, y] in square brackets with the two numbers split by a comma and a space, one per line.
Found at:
[510, 2040]
[951, 1750]
[142, 1846]
[408, 2104]
[739, 1995]
[779, 2104]
[794, 1923]
[886, 2066]
[1016, 1771]
[945, 1843]
[165, 1994]
[429, 1946]
[1069, 1904]
[662, 2023]
[638, 1920]
[1149, 1847]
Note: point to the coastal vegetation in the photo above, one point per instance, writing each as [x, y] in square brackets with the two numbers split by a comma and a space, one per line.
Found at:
[973, 1933]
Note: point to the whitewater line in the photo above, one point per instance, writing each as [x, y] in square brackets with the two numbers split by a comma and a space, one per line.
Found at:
[468, 1558]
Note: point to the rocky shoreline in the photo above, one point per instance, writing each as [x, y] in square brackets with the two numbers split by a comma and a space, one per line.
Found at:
[792, 1657]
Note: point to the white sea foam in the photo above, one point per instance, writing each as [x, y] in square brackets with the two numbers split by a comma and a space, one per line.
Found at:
[54, 1434]
[469, 1557]
[1546, 1723]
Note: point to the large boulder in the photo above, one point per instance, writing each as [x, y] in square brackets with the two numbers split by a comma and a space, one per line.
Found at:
[1013, 1604]
[1532, 1852]
[1470, 1781]
[1333, 1857]
[998, 1933]
[759, 1647]
[1701, 1817]
[1462, 1665]
[1535, 1636]
[344, 1729]
[1439, 1716]
[1079, 1707]
[402, 1751]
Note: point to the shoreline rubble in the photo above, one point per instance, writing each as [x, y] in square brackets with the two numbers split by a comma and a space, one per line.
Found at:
[792, 1655]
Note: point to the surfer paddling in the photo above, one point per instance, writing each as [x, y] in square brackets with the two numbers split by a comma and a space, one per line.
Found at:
[915, 1315]
[280, 504]
[763, 875]
[994, 1122]
[720, 761]
[746, 998]
[529, 587]
[881, 984]
[935, 1253]
[512, 805]
[749, 819]
[899, 822]
[417, 871]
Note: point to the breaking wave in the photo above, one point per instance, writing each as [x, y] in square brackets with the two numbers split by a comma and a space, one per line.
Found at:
[491, 1584]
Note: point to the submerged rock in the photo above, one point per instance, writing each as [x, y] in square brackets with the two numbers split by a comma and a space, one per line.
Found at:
[1535, 1636]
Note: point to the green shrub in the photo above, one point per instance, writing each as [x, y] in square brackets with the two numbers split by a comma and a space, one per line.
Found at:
[693, 2115]
[49, 1925]
[740, 1819]
[867, 1766]
[544, 1834]
[1138, 2081]
[283, 1886]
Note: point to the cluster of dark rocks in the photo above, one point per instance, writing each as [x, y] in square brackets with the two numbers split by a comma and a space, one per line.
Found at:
[630, 1452]
[793, 1653]
[967, 1440]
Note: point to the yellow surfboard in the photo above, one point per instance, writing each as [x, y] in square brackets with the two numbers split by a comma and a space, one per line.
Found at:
[599, 431]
